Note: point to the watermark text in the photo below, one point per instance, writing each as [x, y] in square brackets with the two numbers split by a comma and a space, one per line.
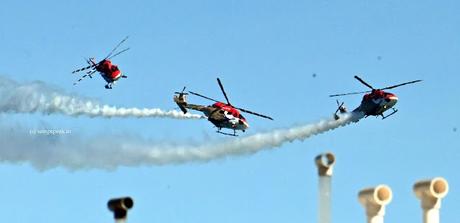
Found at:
[50, 132]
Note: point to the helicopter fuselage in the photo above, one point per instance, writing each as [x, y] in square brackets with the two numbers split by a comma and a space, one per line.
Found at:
[219, 114]
[222, 115]
[226, 116]
[377, 102]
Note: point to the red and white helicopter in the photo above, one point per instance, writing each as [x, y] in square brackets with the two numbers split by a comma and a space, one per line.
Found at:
[375, 102]
[221, 114]
[110, 72]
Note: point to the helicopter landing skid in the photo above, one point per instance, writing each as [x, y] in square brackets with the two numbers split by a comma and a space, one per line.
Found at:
[228, 134]
[392, 113]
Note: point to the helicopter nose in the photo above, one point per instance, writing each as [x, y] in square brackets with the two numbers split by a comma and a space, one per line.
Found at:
[391, 100]
[244, 124]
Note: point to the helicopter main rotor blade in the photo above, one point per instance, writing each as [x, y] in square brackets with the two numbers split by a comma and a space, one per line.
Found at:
[363, 82]
[352, 93]
[398, 85]
[82, 69]
[191, 92]
[223, 91]
[253, 113]
[118, 53]
[116, 47]
[88, 74]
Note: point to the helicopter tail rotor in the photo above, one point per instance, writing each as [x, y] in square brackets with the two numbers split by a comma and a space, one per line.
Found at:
[182, 92]
[181, 100]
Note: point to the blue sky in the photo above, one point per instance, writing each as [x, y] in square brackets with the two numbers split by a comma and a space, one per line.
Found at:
[266, 53]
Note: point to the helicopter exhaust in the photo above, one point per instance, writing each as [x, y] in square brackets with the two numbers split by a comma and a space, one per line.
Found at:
[374, 201]
[340, 108]
[431, 192]
[108, 151]
[37, 97]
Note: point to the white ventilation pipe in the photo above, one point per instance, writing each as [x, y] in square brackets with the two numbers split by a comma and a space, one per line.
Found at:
[374, 201]
[325, 163]
[430, 193]
[120, 207]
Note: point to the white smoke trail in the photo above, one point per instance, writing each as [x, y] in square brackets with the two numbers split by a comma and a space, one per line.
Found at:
[109, 152]
[38, 97]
